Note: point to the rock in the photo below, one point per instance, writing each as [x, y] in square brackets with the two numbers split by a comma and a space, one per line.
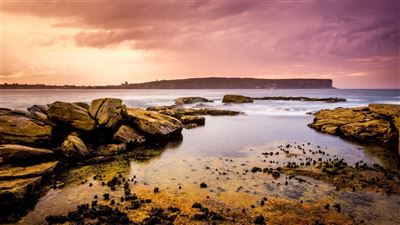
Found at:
[126, 134]
[107, 111]
[14, 153]
[376, 123]
[39, 108]
[389, 110]
[198, 120]
[306, 99]
[178, 112]
[111, 149]
[153, 123]
[9, 172]
[236, 99]
[71, 114]
[16, 195]
[73, 147]
[190, 100]
[83, 105]
[19, 129]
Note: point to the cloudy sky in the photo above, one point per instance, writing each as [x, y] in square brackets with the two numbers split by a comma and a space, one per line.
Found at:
[353, 42]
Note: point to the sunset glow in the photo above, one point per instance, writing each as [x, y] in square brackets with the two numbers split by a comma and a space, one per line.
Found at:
[354, 43]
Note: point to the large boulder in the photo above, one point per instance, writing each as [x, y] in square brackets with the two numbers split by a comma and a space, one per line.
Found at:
[11, 172]
[16, 128]
[236, 99]
[74, 147]
[71, 114]
[107, 111]
[375, 123]
[153, 123]
[190, 100]
[20, 153]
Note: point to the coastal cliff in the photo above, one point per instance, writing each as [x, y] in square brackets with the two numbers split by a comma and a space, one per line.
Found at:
[198, 83]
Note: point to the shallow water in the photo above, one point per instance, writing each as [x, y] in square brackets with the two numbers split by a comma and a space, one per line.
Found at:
[219, 154]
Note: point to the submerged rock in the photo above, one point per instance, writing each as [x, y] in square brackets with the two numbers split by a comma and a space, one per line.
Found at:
[126, 134]
[107, 111]
[376, 123]
[153, 123]
[197, 120]
[190, 100]
[71, 114]
[236, 99]
[15, 153]
[16, 128]
[74, 147]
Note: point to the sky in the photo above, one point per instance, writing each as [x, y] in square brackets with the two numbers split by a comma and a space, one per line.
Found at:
[98, 42]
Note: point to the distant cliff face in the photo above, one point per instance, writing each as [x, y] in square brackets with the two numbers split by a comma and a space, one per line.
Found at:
[235, 83]
[198, 83]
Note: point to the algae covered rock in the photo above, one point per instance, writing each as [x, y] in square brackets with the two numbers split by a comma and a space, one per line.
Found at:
[16, 128]
[190, 100]
[71, 114]
[126, 134]
[236, 99]
[11, 172]
[74, 147]
[15, 153]
[107, 111]
[153, 123]
[376, 123]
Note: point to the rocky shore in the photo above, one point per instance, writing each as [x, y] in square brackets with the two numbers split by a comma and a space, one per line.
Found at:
[48, 138]
[376, 123]
[50, 146]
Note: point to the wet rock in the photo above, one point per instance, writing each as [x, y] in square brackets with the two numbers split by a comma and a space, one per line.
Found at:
[179, 111]
[190, 100]
[71, 114]
[198, 120]
[376, 123]
[126, 134]
[16, 195]
[306, 99]
[259, 220]
[153, 123]
[15, 153]
[16, 128]
[74, 147]
[108, 112]
[236, 99]
[10, 172]
[111, 149]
